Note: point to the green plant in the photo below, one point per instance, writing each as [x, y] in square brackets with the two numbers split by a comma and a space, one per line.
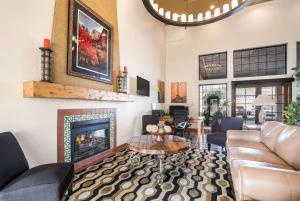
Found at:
[297, 72]
[218, 116]
[291, 113]
[213, 93]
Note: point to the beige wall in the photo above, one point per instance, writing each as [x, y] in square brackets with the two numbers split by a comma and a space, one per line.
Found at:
[270, 23]
[24, 25]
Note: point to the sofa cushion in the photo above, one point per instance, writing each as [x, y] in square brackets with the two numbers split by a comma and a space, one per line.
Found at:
[45, 182]
[288, 146]
[241, 153]
[266, 127]
[246, 144]
[269, 136]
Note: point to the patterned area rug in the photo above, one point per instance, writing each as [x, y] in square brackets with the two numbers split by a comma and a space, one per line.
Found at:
[205, 179]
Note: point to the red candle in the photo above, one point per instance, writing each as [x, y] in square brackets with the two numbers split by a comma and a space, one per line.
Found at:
[46, 43]
[120, 73]
[125, 69]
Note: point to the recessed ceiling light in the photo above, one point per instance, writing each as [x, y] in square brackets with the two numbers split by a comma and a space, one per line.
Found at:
[212, 7]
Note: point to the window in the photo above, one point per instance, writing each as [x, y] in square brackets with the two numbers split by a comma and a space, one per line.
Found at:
[271, 60]
[212, 97]
[245, 92]
[213, 66]
[298, 53]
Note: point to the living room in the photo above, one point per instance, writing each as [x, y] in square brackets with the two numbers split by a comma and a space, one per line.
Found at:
[194, 100]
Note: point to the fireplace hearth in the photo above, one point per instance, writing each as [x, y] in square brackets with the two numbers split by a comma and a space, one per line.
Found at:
[89, 138]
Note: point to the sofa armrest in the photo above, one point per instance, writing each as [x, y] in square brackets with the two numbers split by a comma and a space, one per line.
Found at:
[267, 183]
[243, 135]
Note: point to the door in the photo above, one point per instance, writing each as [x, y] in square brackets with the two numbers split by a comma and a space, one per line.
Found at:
[245, 92]
[244, 108]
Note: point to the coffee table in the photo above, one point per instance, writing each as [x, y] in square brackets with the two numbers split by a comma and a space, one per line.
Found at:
[171, 150]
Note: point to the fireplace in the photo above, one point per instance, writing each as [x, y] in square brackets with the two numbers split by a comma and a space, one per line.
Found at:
[85, 136]
[89, 138]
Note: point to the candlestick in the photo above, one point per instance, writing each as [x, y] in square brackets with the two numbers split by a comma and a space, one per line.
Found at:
[125, 77]
[46, 69]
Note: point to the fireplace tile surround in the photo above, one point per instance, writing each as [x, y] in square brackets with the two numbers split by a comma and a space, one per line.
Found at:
[66, 117]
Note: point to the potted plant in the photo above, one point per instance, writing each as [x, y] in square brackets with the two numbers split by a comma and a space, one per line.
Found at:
[206, 116]
[216, 121]
[297, 78]
[292, 114]
[208, 99]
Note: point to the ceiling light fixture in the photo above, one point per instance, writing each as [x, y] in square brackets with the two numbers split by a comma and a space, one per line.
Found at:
[212, 13]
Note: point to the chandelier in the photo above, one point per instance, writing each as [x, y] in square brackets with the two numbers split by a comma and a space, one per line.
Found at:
[166, 11]
[211, 67]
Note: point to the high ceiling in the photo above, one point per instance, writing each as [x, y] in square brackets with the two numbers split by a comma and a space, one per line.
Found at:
[195, 6]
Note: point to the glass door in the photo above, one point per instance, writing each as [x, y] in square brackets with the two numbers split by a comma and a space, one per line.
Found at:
[212, 97]
[245, 92]
[274, 113]
[244, 108]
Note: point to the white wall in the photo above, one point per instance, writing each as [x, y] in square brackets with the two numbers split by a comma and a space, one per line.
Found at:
[34, 121]
[270, 23]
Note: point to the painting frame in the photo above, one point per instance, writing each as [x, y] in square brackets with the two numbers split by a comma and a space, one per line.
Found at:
[161, 91]
[92, 60]
[178, 92]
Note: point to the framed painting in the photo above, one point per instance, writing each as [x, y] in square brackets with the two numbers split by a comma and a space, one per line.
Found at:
[178, 92]
[89, 44]
[161, 91]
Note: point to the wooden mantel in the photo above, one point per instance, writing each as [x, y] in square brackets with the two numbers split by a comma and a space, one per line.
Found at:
[35, 89]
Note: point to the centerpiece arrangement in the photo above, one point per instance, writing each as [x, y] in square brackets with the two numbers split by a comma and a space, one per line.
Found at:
[159, 130]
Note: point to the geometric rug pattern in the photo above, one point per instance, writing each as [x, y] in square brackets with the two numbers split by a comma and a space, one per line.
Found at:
[205, 179]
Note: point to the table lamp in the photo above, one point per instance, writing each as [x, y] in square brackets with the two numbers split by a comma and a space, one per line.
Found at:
[263, 100]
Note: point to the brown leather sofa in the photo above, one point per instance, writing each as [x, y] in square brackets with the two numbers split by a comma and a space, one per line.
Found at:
[265, 164]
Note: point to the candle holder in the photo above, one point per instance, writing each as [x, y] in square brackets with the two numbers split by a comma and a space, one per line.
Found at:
[46, 69]
[125, 80]
[120, 84]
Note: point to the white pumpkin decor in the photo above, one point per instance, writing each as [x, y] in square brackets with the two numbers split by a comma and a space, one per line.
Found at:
[148, 128]
[158, 129]
[154, 129]
[168, 129]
